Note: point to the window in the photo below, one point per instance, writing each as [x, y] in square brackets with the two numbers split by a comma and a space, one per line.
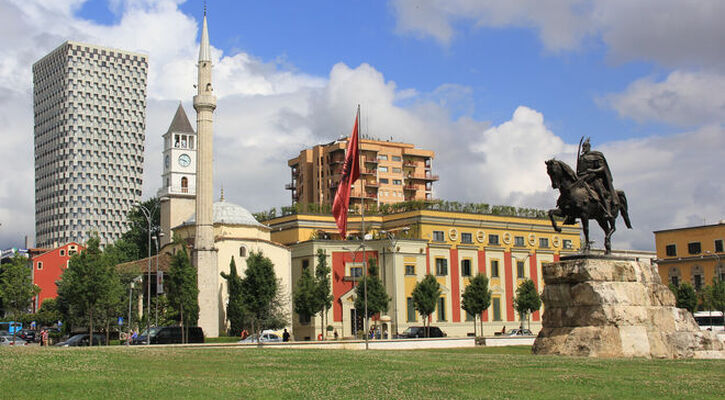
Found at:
[675, 280]
[441, 266]
[411, 310]
[718, 246]
[410, 269]
[466, 238]
[442, 309]
[383, 169]
[493, 239]
[494, 268]
[384, 180]
[397, 170]
[62, 252]
[671, 250]
[356, 270]
[543, 242]
[697, 281]
[496, 309]
[438, 236]
[396, 158]
[243, 252]
[694, 248]
[566, 243]
[520, 269]
[40, 265]
[469, 316]
[184, 185]
[466, 267]
[519, 241]
[382, 157]
[397, 182]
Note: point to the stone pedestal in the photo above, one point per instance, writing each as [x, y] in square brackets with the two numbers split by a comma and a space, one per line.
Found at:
[610, 307]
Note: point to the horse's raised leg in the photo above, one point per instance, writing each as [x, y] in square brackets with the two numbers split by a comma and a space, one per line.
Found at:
[608, 228]
[552, 213]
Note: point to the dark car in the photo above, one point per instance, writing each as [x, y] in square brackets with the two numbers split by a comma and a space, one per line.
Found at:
[81, 339]
[420, 332]
[28, 335]
[171, 335]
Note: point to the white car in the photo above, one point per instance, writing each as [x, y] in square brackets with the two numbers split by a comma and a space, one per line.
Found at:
[8, 341]
[266, 337]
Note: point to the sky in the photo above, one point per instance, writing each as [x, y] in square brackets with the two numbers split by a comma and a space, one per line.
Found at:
[494, 88]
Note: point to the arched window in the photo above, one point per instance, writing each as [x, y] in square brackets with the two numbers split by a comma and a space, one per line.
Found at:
[698, 277]
[675, 276]
[184, 185]
[242, 251]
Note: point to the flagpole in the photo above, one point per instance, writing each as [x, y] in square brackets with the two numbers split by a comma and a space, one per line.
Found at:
[362, 229]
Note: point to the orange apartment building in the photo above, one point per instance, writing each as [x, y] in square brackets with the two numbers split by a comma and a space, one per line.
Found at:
[391, 172]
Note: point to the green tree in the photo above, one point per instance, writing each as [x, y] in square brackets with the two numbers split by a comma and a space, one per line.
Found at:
[90, 286]
[717, 295]
[49, 313]
[527, 300]
[136, 239]
[16, 286]
[182, 290]
[378, 299]
[305, 299]
[477, 298]
[323, 288]
[261, 295]
[685, 296]
[425, 296]
[235, 306]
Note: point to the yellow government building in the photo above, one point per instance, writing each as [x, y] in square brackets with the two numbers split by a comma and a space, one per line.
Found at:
[453, 246]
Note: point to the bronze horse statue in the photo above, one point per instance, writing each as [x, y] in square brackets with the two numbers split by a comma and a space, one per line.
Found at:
[576, 200]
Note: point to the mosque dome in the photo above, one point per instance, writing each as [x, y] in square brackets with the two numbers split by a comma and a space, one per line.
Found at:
[228, 213]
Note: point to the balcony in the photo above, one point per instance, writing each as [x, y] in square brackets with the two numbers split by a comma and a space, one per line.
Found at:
[409, 164]
[371, 161]
[367, 171]
[427, 177]
[290, 186]
[412, 188]
[372, 184]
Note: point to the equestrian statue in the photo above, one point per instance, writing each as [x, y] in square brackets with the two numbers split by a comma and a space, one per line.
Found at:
[587, 194]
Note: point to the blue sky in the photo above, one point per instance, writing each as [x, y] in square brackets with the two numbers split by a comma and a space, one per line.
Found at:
[494, 88]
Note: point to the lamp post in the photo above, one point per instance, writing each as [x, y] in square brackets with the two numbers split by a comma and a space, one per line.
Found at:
[390, 234]
[354, 257]
[157, 239]
[148, 213]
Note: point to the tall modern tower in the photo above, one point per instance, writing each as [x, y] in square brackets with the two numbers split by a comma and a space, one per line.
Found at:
[205, 254]
[90, 112]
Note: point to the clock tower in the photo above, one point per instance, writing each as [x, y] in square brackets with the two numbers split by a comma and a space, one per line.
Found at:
[178, 179]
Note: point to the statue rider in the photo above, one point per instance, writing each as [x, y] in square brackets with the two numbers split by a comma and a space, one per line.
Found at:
[593, 169]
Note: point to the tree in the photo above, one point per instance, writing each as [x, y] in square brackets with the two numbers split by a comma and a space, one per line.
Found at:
[322, 281]
[261, 295]
[49, 313]
[182, 290]
[717, 295]
[90, 286]
[136, 238]
[235, 307]
[477, 298]
[527, 300]
[16, 286]
[685, 296]
[305, 295]
[378, 299]
[425, 295]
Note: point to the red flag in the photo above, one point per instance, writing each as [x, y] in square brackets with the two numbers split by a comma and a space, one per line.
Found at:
[350, 173]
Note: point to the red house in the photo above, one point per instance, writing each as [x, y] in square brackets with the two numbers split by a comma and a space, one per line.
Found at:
[47, 269]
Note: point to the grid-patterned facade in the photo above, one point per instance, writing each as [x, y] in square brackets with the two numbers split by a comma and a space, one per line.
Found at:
[90, 111]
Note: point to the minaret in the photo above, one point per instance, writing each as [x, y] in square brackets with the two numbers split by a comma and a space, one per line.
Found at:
[205, 254]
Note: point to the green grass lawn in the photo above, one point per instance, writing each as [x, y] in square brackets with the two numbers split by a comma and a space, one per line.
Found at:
[495, 373]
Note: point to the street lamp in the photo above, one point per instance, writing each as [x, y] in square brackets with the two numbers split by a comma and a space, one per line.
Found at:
[390, 234]
[157, 239]
[148, 213]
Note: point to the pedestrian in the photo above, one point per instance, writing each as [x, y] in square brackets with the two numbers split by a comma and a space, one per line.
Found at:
[42, 332]
[245, 334]
[285, 335]
[44, 337]
[335, 333]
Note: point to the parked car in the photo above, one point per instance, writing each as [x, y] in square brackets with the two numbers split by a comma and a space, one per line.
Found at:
[519, 332]
[420, 332]
[28, 335]
[266, 337]
[82, 339]
[8, 341]
[171, 335]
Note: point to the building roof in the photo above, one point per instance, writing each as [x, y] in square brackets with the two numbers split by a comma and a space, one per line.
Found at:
[141, 266]
[721, 223]
[204, 49]
[228, 213]
[180, 123]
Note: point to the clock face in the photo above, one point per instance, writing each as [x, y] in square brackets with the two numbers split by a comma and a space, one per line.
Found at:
[184, 160]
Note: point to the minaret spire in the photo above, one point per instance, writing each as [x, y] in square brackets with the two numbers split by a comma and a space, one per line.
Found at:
[204, 48]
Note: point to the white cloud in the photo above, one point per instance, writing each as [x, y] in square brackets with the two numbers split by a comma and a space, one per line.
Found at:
[670, 32]
[684, 98]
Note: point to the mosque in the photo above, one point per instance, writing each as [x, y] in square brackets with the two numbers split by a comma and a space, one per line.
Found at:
[216, 231]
